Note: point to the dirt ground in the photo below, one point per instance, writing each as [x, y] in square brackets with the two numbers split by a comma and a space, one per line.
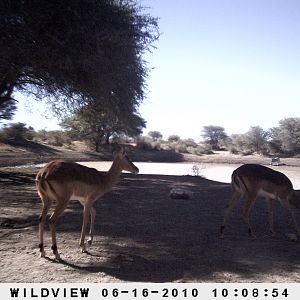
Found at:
[144, 236]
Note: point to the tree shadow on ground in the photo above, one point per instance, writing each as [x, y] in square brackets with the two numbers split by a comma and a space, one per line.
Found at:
[156, 156]
[31, 146]
[143, 235]
[146, 236]
[143, 155]
[16, 178]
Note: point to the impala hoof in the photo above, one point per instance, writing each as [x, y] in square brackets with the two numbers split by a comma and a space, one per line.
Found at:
[83, 249]
[57, 257]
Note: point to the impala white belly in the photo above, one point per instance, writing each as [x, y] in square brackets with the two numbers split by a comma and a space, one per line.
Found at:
[79, 198]
[266, 194]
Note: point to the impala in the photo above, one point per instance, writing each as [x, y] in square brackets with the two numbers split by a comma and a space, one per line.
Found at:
[60, 181]
[251, 181]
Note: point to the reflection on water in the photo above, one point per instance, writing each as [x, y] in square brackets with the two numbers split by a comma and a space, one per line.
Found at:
[216, 172]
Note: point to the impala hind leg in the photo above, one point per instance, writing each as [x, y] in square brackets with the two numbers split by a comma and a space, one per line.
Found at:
[271, 215]
[236, 196]
[60, 207]
[46, 205]
[286, 205]
[93, 215]
[246, 213]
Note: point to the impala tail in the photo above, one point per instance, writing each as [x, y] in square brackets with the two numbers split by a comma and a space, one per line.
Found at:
[238, 183]
[44, 188]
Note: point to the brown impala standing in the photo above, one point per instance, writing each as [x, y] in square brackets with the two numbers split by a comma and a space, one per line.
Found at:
[60, 181]
[252, 181]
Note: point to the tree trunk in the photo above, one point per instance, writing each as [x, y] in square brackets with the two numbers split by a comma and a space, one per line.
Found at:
[107, 136]
[97, 146]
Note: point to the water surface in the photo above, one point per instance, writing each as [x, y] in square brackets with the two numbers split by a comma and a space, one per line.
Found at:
[216, 172]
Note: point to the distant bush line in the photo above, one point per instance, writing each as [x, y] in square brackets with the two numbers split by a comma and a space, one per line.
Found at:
[283, 140]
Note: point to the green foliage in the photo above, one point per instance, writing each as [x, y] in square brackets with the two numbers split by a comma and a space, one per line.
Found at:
[154, 141]
[7, 109]
[240, 144]
[187, 146]
[97, 126]
[286, 136]
[256, 139]
[75, 52]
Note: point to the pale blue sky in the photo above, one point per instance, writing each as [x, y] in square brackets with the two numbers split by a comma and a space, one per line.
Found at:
[219, 62]
[230, 63]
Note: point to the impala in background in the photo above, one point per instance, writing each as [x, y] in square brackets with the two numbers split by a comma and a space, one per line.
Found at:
[251, 181]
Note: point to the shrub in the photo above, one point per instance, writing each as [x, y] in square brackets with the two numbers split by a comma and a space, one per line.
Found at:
[190, 143]
[17, 131]
[54, 138]
[143, 144]
[233, 150]
[180, 147]
[204, 149]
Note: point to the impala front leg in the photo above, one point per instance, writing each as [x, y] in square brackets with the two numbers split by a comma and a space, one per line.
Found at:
[232, 203]
[86, 214]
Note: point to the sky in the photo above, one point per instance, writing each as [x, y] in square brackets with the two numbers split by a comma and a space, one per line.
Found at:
[231, 63]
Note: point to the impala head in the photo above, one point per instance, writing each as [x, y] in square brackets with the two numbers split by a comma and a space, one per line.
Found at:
[124, 161]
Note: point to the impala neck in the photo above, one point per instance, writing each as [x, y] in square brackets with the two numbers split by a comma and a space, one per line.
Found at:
[113, 174]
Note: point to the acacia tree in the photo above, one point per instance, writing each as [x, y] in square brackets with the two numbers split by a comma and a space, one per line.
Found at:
[75, 52]
[174, 138]
[97, 125]
[155, 135]
[214, 135]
